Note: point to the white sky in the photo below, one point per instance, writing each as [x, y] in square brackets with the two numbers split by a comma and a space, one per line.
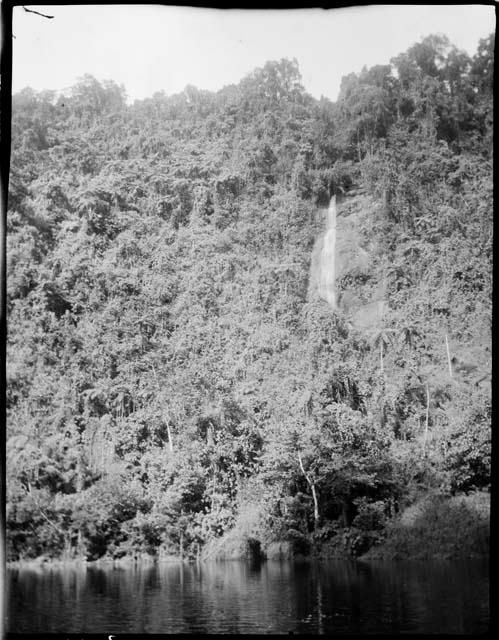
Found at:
[151, 48]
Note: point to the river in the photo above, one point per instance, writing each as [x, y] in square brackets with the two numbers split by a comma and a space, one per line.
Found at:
[326, 596]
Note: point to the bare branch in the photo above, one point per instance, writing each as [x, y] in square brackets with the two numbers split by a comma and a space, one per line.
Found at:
[38, 13]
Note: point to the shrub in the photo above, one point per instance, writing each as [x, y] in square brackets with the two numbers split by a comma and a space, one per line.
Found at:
[370, 515]
[442, 526]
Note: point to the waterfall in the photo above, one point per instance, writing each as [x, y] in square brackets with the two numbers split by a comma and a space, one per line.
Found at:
[327, 274]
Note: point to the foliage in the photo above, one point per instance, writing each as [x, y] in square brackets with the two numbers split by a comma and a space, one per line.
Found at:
[170, 373]
[437, 526]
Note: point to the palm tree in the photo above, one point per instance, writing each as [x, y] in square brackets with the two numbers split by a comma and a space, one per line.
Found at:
[408, 333]
[381, 340]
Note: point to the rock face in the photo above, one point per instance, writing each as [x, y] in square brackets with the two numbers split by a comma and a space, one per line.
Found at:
[343, 271]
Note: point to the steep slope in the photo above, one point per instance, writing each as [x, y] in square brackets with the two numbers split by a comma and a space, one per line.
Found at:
[173, 371]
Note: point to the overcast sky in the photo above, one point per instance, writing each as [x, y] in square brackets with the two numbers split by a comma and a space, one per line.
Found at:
[151, 48]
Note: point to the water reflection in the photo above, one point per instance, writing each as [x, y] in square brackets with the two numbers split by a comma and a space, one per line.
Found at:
[235, 597]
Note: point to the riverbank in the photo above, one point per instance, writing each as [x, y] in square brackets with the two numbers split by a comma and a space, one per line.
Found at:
[435, 527]
[43, 562]
[438, 527]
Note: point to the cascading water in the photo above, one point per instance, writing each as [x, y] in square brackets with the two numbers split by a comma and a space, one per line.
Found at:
[326, 266]
[341, 249]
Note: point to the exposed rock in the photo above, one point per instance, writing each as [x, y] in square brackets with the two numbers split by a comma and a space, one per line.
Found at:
[342, 270]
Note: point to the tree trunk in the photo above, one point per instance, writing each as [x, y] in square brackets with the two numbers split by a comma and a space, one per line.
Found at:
[448, 355]
[427, 419]
[314, 493]
[79, 544]
[316, 505]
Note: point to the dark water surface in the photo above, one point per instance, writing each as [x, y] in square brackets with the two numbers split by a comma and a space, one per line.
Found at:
[328, 596]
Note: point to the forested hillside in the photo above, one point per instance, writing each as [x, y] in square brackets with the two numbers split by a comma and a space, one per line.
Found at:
[171, 379]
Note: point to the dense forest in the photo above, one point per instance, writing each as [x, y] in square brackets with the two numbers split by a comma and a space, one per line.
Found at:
[174, 387]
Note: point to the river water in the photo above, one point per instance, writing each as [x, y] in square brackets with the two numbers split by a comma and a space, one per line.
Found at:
[327, 596]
